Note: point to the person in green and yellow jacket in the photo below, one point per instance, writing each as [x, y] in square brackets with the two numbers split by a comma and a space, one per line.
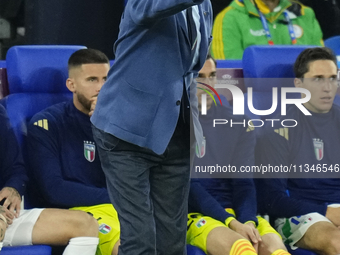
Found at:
[263, 22]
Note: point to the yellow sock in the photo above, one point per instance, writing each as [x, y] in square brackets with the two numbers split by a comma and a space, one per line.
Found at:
[242, 247]
[280, 252]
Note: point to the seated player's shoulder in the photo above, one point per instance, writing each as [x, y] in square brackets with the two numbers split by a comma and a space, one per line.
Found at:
[336, 112]
[336, 109]
[292, 113]
[50, 117]
[52, 114]
[275, 127]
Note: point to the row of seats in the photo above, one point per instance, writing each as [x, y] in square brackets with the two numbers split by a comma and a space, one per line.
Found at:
[233, 68]
[37, 75]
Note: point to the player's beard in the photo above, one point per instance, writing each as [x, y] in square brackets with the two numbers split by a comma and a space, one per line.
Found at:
[86, 103]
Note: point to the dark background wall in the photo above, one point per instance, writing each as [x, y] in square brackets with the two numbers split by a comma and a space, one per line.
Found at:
[93, 23]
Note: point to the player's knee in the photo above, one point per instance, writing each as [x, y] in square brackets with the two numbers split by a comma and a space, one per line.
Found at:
[225, 247]
[220, 240]
[271, 242]
[85, 224]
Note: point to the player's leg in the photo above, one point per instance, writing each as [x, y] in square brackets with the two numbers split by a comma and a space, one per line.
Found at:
[222, 241]
[322, 237]
[272, 244]
[215, 238]
[54, 227]
[271, 240]
[109, 227]
[58, 226]
[76, 229]
[311, 231]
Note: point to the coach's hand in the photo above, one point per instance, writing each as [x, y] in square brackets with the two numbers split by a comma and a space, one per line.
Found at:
[12, 201]
[333, 214]
[248, 230]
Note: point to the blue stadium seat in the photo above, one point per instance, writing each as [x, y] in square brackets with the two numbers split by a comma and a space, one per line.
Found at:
[263, 62]
[270, 61]
[36, 80]
[27, 250]
[229, 63]
[193, 250]
[334, 44]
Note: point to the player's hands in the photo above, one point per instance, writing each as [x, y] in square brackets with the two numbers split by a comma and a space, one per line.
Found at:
[93, 101]
[333, 214]
[6, 215]
[248, 230]
[12, 201]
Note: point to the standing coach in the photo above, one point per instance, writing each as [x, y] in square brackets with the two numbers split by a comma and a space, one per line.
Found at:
[142, 120]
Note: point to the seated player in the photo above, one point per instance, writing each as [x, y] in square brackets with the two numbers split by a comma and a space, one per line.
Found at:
[78, 230]
[223, 218]
[64, 164]
[309, 213]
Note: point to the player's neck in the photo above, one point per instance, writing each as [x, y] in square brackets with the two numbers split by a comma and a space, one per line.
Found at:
[80, 107]
[272, 4]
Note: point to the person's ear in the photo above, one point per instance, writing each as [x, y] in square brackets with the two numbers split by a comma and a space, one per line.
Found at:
[70, 85]
[298, 82]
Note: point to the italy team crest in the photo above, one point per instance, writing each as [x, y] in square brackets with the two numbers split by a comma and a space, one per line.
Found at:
[200, 223]
[105, 229]
[318, 148]
[89, 150]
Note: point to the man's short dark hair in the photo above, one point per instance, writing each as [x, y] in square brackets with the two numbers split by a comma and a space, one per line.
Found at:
[87, 56]
[210, 57]
[301, 65]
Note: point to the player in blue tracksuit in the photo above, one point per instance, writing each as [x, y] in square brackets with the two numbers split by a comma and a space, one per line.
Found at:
[77, 230]
[63, 168]
[223, 210]
[64, 165]
[12, 170]
[307, 209]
